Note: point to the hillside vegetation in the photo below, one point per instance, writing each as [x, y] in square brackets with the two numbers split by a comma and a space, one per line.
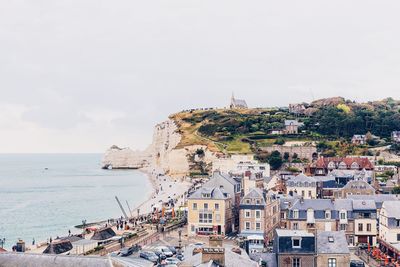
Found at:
[334, 120]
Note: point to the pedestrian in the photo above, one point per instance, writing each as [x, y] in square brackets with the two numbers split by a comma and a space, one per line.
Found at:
[33, 241]
[51, 240]
[69, 232]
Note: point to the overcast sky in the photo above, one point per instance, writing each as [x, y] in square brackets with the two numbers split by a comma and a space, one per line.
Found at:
[80, 76]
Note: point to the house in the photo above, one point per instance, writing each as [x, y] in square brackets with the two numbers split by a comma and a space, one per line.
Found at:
[324, 165]
[214, 254]
[259, 215]
[365, 222]
[306, 151]
[209, 212]
[292, 126]
[230, 185]
[389, 228]
[237, 103]
[332, 249]
[294, 248]
[322, 215]
[239, 164]
[297, 108]
[343, 176]
[302, 185]
[252, 214]
[359, 139]
[396, 136]
[355, 187]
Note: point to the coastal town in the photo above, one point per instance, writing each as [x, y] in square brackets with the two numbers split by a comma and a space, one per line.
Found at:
[293, 199]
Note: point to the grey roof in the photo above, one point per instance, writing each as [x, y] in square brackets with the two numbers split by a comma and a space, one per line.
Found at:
[332, 243]
[219, 175]
[254, 193]
[377, 197]
[292, 122]
[315, 204]
[285, 202]
[358, 184]
[285, 232]
[364, 205]
[9, 259]
[343, 204]
[301, 178]
[392, 209]
[215, 193]
[231, 258]
[239, 102]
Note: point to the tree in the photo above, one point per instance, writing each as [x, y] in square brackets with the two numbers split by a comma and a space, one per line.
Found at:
[396, 190]
[286, 156]
[275, 160]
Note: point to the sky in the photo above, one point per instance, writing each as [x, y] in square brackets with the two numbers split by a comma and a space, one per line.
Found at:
[82, 75]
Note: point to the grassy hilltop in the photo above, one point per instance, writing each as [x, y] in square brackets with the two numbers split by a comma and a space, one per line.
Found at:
[330, 122]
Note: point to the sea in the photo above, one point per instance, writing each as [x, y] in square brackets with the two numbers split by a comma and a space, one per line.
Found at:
[45, 195]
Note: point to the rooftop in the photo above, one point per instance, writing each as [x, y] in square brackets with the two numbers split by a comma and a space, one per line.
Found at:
[290, 233]
[209, 193]
[332, 243]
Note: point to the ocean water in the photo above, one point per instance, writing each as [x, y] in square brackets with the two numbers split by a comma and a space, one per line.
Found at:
[39, 203]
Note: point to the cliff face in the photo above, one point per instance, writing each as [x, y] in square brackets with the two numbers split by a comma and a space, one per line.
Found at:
[161, 154]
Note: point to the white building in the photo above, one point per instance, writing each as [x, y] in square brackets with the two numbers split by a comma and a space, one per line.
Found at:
[240, 164]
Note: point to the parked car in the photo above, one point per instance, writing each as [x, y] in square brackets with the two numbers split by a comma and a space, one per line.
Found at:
[125, 252]
[363, 246]
[160, 255]
[165, 250]
[355, 263]
[150, 256]
[180, 257]
[172, 261]
[173, 249]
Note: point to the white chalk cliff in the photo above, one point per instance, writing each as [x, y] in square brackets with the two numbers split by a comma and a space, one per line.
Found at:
[161, 154]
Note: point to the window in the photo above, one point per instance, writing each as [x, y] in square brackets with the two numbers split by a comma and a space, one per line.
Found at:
[247, 225]
[258, 226]
[398, 223]
[327, 214]
[342, 227]
[309, 194]
[194, 206]
[274, 209]
[296, 242]
[343, 215]
[296, 262]
[205, 217]
[216, 206]
[247, 214]
[302, 193]
[368, 227]
[360, 227]
[192, 228]
[205, 206]
[295, 214]
[331, 262]
[295, 226]
[258, 214]
[258, 201]
[398, 237]
[247, 201]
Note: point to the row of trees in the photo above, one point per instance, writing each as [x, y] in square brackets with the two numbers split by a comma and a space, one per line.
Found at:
[360, 120]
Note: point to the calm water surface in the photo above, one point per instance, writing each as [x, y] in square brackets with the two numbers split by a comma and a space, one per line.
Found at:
[39, 203]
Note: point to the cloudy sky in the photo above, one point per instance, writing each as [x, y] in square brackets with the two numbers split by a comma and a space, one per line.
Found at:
[81, 75]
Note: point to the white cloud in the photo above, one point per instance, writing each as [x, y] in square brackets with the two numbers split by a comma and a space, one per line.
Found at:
[83, 75]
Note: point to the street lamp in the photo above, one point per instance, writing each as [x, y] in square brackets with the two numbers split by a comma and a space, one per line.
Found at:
[2, 242]
[84, 227]
[180, 240]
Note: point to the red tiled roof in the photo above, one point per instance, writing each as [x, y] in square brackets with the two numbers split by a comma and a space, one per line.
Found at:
[364, 163]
